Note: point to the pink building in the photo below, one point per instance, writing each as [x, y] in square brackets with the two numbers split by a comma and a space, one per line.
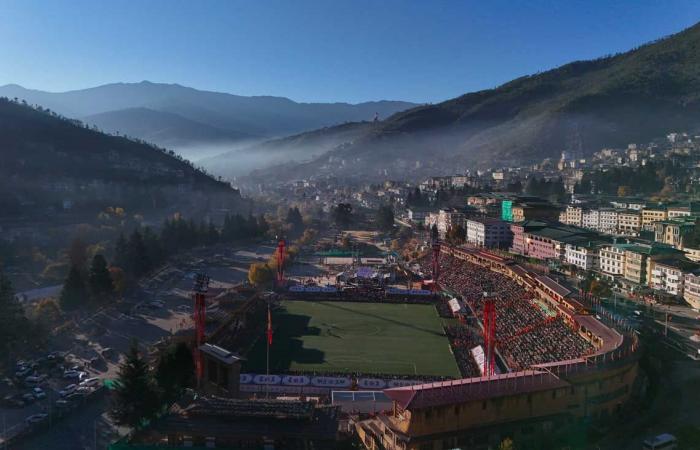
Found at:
[540, 240]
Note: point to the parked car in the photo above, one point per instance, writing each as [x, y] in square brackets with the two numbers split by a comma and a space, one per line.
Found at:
[67, 390]
[92, 382]
[39, 393]
[13, 401]
[107, 352]
[36, 418]
[62, 404]
[28, 398]
[23, 372]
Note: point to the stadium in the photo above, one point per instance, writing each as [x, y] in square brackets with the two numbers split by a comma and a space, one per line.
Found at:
[500, 350]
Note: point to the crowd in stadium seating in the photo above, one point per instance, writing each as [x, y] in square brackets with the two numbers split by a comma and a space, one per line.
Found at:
[463, 339]
[524, 335]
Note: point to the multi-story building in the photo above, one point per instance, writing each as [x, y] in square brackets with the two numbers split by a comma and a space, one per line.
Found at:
[583, 253]
[542, 240]
[535, 210]
[629, 223]
[489, 233]
[691, 291]
[590, 219]
[445, 219]
[573, 215]
[612, 259]
[637, 257]
[652, 214]
[608, 221]
[417, 215]
[672, 231]
[668, 275]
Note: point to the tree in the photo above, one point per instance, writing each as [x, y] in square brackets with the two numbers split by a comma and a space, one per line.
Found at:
[121, 249]
[101, 285]
[624, 191]
[77, 254]
[385, 218]
[136, 395]
[507, 444]
[74, 293]
[118, 280]
[457, 235]
[342, 214]
[175, 371]
[139, 263]
[260, 274]
[13, 323]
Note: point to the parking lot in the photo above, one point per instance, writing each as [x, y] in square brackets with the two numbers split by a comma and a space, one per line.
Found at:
[158, 309]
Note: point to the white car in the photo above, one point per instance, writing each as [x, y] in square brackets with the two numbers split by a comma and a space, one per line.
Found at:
[92, 382]
[67, 390]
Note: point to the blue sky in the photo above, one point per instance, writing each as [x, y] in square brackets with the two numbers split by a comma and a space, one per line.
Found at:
[332, 50]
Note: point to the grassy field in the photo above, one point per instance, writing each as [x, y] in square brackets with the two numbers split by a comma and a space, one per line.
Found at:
[356, 337]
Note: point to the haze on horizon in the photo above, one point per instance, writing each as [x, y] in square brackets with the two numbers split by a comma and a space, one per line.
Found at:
[315, 51]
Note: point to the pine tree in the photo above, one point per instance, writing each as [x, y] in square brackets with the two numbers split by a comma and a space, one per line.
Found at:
[99, 278]
[138, 261]
[136, 395]
[175, 370]
[74, 293]
[13, 323]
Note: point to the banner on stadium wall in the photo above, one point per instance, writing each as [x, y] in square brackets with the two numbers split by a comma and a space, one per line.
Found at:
[295, 380]
[246, 378]
[480, 358]
[371, 383]
[267, 379]
[403, 383]
[306, 390]
[331, 382]
[296, 288]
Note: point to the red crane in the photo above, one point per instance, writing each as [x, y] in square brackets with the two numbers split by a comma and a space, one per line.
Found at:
[280, 255]
[489, 336]
[436, 258]
[199, 291]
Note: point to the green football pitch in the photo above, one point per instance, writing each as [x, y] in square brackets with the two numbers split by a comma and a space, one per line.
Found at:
[356, 337]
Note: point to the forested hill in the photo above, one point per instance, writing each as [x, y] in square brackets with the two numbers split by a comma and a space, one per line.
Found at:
[48, 160]
[579, 107]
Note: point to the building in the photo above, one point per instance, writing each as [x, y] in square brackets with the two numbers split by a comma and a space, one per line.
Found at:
[612, 259]
[215, 422]
[637, 257]
[573, 215]
[608, 221]
[489, 233]
[652, 214]
[417, 215]
[672, 231]
[590, 219]
[542, 240]
[583, 253]
[668, 275]
[629, 223]
[535, 210]
[691, 292]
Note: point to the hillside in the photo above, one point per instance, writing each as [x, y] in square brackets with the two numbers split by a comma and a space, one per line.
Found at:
[579, 107]
[50, 163]
[239, 117]
[163, 129]
[299, 147]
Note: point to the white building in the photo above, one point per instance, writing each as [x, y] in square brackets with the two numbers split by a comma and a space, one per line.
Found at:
[573, 215]
[590, 219]
[489, 233]
[667, 275]
[691, 291]
[612, 260]
[608, 220]
[582, 254]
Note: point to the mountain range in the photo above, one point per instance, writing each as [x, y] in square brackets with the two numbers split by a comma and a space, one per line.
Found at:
[195, 122]
[580, 108]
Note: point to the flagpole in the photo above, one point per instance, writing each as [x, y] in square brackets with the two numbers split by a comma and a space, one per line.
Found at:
[267, 339]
